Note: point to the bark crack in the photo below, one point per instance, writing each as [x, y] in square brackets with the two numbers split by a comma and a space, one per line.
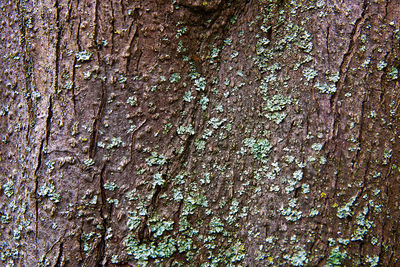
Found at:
[48, 120]
[60, 254]
[73, 96]
[112, 26]
[27, 68]
[360, 131]
[133, 140]
[348, 56]
[95, 23]
[95, 126]
[36, 182]
[345, 64]
[58, 43]
[131, 48]
[67, 19]
[78, 43]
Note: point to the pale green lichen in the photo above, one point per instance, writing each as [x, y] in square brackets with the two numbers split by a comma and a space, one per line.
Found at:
[175, 77]
[185, 129]
[132, 100]
[83, 56]
[188, 96]
[158, 179]
[49, 190]
[204, 102]
[156, 159]
[290, 213]
[336, 257]
[89, 162]
[111, 186]
[381, 65]
[393, 74]
[300, 258]
[326, 88]
[259, 148]
[309, 73]
[200, 84]
[275, 106]
[8, 188]
[363, 225]
[345, 211]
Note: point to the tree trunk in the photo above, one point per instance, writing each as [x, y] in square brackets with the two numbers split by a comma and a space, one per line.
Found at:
[201, 133]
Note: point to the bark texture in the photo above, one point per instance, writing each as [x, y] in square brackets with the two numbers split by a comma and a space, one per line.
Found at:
[201, 133]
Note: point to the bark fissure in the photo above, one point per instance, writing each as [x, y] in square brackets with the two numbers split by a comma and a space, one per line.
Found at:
[132, 144]
[96, 123]
[386, 8]
[36, 187]
[73, 95]
[360, 132]
[131, 48]
[345, 64]
[59, 262]
[48, 120]
[78, 43]
[68, 16]
[112, 25]
[348, 56]
[58, 45]
[95, 24]
[27, 67]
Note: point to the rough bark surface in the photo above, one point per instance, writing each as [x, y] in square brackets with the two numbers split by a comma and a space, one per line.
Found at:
[208, 133]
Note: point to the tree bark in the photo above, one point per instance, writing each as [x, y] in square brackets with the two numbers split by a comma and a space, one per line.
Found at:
[201, 133]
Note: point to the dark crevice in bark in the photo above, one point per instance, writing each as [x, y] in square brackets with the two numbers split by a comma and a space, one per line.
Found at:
[73, 95]
[96, 123]
[138, 61]
[345, 64]
[386, 10]
[95, 24]
[360, 133]
[78, 43]
[58, 45]
[81, 245]
[48, 120]
[68, 16]
[60, 254]
[132, 47]
[132, 145]
[35, 189]
[27, 67]
[112, 25]
[121, 3]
